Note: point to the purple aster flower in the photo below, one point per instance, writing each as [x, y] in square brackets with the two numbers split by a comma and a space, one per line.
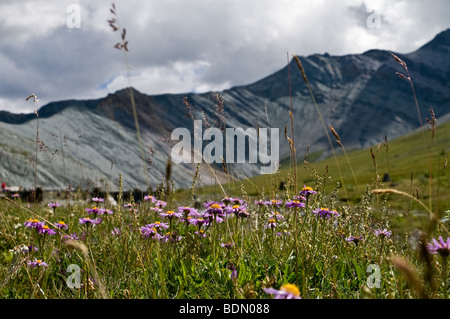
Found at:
[300, 198]
[53, 205]
[200, 221]
[46, 230]
[294, 203]
[325, 213]
[287, 291]
[212, 217]
[95, 210]
[238, 210]
[170, 214]
[186, 210]
[354, 239]
[158, 225]
[98, 199]
[243, 213]
[277, 216]
[37, 262]
[150, 198]
[108, 211]
[232, 201]
[88, 221]
[188, 220]
[187, 213]
[160, 204]
[34, 223]
[171, 237]
[271, 223]
[16, 195]
[61, 225]
[307, 191]
[260, 203]
[382, 233]
[150, 232]
[73, 236]
[156, 209]
[214, 206]
[440, 246]
[274, 203]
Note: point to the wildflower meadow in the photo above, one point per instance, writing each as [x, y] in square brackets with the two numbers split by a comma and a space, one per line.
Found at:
[302, 240]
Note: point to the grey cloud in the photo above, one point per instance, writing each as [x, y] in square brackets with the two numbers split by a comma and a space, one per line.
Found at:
[240, 41]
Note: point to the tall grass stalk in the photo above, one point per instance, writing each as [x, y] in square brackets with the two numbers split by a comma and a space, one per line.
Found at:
[429, 149]
[293, 151]
[299, 64]
[123, 46]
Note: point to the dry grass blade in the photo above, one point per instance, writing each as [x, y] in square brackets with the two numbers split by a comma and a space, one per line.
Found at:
[410, 274]
[432, 122]
[224, 166]
[336, 135]
[302, 70]
[32, 96]
[373, 158]
[78, 245]
[431, 214]
[400, 61]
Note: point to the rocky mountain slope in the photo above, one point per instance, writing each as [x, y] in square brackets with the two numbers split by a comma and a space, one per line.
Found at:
[92, 141]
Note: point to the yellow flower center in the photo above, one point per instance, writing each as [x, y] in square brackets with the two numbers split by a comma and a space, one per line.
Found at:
[39, 261]
[236, 206]
[157, 223]
[35, 221]
[272, 221]
[292, 289]
[45, 227]
[274, 201]
[307, 188]
[216, 206]
[200, 219]
[170, 212]
[61, 223]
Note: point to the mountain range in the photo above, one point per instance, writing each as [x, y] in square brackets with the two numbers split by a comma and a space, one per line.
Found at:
[89, 142]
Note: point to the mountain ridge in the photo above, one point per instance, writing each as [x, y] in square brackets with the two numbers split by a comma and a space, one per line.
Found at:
[359, 94]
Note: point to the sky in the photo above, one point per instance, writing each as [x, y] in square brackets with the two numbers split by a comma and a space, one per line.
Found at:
[64, 49]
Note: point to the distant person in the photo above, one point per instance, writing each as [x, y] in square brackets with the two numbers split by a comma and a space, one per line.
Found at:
[3, 187]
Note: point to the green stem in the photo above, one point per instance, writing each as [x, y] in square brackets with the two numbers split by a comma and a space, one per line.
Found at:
[444, 276]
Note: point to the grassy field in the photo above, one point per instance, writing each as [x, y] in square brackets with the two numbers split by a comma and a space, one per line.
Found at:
[362, 245]
[333, 230]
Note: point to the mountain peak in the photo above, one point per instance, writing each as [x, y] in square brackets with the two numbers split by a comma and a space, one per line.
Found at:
[440, 40]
